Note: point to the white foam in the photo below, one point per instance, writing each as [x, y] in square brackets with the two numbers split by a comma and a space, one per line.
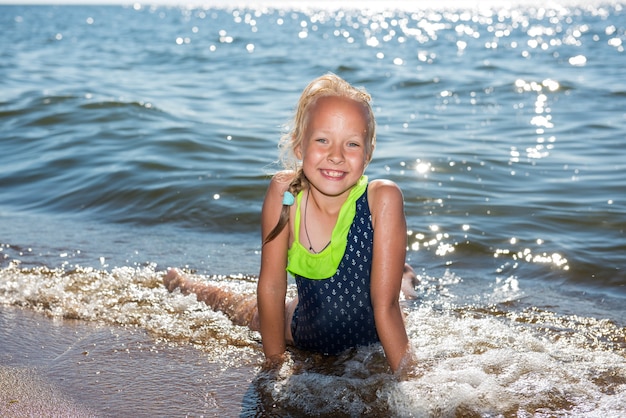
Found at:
[480, 358]
[489, 366]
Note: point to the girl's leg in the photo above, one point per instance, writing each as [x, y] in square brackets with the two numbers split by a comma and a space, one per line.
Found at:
[241, 309]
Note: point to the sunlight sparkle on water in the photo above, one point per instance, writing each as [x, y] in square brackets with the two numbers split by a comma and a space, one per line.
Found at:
[578, 60]
[423, 167]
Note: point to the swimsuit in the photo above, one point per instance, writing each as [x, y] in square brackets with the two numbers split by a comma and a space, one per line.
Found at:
[335, 313]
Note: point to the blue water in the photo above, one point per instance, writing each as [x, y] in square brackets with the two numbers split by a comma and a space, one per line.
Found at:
[135, 138]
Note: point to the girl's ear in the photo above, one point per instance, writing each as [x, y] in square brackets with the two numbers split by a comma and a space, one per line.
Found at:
[298, 151]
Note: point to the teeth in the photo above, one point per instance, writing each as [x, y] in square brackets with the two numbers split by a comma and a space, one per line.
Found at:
[333, 173]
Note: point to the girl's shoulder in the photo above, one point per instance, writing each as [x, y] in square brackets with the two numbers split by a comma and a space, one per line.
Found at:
[386, 202]
[281, 180]
[279, 184]
[382, 189]
[384, 196]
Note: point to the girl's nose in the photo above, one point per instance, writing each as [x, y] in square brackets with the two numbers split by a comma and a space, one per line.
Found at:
[335, 155]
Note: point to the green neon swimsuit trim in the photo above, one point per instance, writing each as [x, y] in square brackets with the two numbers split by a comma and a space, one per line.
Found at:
[324, 264]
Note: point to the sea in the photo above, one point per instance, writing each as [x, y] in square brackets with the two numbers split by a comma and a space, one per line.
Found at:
[137, 137]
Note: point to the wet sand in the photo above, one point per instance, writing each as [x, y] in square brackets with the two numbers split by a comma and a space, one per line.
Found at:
[76, 369]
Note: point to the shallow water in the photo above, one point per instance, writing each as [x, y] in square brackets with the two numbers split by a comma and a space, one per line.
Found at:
[73, 368]
[137, 138]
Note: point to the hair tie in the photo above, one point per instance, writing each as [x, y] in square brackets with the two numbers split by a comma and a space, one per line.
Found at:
[288, 198]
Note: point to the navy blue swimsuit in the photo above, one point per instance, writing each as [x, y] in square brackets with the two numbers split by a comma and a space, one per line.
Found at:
[336, 313]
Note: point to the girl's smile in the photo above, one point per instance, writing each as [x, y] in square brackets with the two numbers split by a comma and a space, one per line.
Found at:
[332, 174]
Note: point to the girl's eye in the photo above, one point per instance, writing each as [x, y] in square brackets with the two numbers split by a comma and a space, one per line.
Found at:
[354, 144]
[321, 140]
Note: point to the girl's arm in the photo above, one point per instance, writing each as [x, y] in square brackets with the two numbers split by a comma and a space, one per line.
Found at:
[388, 220]
[272, 285]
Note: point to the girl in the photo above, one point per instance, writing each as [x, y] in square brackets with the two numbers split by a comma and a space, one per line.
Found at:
[340, 236]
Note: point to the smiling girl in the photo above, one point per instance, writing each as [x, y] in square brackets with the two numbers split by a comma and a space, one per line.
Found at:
[342, 237]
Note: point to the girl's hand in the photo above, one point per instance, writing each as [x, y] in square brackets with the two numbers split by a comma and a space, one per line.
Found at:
[274, 362]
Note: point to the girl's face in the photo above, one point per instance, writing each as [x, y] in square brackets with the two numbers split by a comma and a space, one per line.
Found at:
[334, 151]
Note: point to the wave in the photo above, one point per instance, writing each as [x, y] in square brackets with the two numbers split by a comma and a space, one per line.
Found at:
[496, 354]
[71, 154]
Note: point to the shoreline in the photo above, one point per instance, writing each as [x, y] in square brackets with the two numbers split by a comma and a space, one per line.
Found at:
[80, 369]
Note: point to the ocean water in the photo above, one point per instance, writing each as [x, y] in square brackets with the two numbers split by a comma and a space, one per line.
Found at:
[134, 138]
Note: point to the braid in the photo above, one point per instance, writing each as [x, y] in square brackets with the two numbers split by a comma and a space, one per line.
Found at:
[297, 184]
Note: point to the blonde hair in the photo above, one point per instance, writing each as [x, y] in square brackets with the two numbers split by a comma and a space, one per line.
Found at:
[328, 85]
